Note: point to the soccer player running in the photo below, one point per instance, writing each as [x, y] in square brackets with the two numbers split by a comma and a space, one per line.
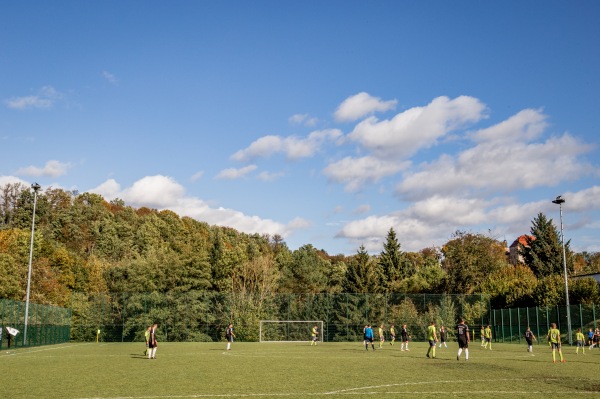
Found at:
[392, 334]
[229, 335]
[554, 336]
[369, 337]
[462, 334]
[381, 336]
[432, 337]
[580, 338]
[529, 337]
[152, 343]
[488, 337]
[315, 335]
[404, 336]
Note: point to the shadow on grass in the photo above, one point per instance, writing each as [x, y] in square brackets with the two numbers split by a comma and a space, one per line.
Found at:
[136, 356]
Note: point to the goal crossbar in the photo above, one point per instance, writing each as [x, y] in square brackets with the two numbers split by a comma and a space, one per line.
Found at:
[289, 330]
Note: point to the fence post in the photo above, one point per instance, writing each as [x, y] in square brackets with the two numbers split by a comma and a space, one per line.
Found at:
[510, 324]
[502, 321]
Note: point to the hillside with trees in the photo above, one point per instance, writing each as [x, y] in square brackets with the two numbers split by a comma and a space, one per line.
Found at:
[84, 244]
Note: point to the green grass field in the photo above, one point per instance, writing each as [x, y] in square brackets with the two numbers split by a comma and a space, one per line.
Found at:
[293, 370]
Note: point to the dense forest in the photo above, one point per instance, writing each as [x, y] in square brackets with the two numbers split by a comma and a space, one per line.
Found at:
[83, 243]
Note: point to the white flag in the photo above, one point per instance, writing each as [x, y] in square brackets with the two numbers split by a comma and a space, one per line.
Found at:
[12, 331]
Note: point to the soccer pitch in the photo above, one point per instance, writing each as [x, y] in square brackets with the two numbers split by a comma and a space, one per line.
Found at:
[293, 370]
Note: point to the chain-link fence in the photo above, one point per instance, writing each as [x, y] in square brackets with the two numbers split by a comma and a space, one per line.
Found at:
[203, 316]
[46, 324]
[509, 325]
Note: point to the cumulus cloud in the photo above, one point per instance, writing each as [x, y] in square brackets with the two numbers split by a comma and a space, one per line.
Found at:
[233, 173]
[361, 104]
[293, 147]
[11, 180]
[110, 189]
[355, 172]
[163, 192]
[418, 127]
[45, 98]
[52, 168]
[495, 163]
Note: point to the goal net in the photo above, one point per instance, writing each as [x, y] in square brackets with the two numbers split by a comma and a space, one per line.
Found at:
[289, 330]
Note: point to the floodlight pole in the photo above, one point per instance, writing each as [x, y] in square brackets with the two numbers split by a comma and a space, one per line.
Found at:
[35, 187]
[560, 200]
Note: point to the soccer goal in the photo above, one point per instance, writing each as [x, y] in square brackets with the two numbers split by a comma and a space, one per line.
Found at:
[289, 330]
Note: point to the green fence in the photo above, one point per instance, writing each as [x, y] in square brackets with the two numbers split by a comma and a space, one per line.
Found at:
[203, 316]
[46, 324]
[509, 325]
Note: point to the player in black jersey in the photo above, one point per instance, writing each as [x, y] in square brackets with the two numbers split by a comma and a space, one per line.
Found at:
[529, 337]
[462, 334]
[405, 336]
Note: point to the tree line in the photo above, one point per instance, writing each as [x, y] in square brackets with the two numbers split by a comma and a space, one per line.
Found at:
[85, 244]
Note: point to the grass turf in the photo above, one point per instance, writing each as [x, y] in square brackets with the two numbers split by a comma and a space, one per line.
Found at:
[292, 370]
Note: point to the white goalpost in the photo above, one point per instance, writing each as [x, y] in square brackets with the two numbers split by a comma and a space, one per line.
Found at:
[289, 330]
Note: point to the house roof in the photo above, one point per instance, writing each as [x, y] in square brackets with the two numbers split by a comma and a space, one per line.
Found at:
[523, 240]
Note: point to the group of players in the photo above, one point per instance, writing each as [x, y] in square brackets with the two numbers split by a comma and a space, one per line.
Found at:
[463, 337]
[433, 336]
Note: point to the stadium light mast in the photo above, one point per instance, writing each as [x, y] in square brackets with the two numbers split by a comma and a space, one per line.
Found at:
[560, 200]
[36, 188]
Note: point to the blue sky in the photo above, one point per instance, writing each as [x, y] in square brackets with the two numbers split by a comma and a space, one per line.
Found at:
[326, 122]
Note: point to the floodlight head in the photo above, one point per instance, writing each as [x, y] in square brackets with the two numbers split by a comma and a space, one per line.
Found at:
[36, 187]
[559, 200]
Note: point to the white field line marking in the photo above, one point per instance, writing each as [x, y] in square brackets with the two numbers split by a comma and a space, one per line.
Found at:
[24, 351]
[371, 391]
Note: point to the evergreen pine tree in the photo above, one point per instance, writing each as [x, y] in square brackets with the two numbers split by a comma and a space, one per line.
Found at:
[543, 252]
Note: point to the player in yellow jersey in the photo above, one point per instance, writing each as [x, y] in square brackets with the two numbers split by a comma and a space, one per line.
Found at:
[580, 338]
[314, 335]
[392, 334]
[488, 337]
[482, 333]
[381, 336]
[554, 336]
[432, 337]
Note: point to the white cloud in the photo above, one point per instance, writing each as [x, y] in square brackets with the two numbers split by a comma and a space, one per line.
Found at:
[361, 104]
[526, 125]
[584, 200]
[110, 189]
[355, 172]
[197, 175]
[431, 221]
[45, 98]
[268, 176]
[110, 78]
[496, 163]
[303, 119]
[417, 128]
[293, 147]
[163, 192]
[365, 208]
[11, 180]
[299, 223]
[52, 168]
[154, 191]
[233, 173]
